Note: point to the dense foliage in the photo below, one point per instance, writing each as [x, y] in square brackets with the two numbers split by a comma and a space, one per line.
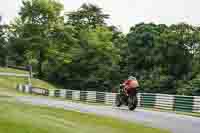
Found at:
[80, 51]
[3, 44]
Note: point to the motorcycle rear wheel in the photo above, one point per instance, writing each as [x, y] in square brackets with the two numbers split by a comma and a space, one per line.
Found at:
[118, 101]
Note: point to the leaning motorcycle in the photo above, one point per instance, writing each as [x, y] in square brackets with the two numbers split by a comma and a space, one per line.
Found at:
[129, 100]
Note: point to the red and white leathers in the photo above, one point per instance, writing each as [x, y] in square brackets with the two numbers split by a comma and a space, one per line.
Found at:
[130, 85]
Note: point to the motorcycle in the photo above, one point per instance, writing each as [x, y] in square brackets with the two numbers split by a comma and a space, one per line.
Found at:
[129, 100]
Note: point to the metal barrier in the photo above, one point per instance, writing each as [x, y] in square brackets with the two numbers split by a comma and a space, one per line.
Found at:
[146, 100]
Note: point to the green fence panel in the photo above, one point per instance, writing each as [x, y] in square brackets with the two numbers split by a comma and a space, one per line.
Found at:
[184, 104]
[83, 95]
[69, 94]
[23, 88]
[148, 100]
[57, 93]
[100, 97]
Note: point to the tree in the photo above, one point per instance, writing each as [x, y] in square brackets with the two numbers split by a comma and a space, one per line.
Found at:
[162, 56]
[120, 72]
[38, 21]
[93, 59]
[39, 37]
[88, 15]
[142, 44]
[83, 52]
[185, 37]
[3, 43]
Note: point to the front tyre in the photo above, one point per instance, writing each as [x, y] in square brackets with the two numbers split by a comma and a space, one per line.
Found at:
[132, 102]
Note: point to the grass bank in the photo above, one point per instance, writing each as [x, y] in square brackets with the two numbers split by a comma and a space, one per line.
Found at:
[21, 118]
[9, 83]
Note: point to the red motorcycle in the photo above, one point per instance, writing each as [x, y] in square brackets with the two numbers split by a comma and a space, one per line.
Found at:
[128, 97]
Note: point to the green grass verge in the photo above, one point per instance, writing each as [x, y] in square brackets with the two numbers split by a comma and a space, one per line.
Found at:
[11, 70]
[11, 82]
[22, 118]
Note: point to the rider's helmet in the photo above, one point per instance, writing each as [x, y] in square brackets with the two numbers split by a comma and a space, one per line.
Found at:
[132, 78]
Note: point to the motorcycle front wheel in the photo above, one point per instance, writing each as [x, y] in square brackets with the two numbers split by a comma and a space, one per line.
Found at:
[132, 102]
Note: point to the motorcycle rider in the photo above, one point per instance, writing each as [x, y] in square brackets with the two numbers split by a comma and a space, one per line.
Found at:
[130, 86]
[128, 93]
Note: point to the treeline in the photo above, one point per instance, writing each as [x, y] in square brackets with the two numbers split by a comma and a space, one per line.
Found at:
[78, 50]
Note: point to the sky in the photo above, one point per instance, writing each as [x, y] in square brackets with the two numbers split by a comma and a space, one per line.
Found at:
[126, 13]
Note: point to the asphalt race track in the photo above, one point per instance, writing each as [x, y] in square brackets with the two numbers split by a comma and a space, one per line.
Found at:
[174, 122]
